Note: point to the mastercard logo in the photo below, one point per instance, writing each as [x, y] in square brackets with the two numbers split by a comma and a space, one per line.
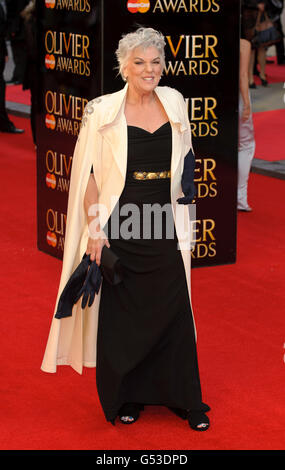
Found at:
[50, 121]
[50, 61]
[138, 7]
[50, 180]
[51, 239]
[50, 3]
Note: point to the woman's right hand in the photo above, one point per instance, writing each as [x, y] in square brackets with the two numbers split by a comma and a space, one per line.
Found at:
[95, 246]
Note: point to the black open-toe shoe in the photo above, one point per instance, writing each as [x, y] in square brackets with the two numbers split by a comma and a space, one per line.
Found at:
[198, 420]
[130, 412]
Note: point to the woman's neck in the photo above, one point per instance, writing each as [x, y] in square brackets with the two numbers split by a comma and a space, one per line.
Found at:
[138, 98]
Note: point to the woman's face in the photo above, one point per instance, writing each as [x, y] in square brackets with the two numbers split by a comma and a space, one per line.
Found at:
[143, 69]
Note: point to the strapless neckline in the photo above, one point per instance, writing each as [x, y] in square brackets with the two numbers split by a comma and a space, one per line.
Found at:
[151, 133]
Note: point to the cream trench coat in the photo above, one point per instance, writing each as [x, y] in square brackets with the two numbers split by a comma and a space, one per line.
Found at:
[102, 142]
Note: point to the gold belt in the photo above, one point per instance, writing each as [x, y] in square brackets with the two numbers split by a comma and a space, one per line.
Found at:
[150, 175]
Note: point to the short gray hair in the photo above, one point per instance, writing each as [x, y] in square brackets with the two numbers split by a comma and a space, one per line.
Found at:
[142, 37]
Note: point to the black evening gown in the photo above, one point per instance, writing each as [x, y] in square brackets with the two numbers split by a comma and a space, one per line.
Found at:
[146, 348]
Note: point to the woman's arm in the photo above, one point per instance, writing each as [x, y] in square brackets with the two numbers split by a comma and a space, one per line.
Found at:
[97, 238]
[245, 50]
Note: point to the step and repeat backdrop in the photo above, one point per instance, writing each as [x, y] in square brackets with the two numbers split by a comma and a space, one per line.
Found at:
[77, 42]
[69, 38]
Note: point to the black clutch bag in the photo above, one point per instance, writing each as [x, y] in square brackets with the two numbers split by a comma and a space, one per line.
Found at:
[111, 268]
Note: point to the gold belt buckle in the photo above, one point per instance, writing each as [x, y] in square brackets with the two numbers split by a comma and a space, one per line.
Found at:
[139, 175]
[151, 175]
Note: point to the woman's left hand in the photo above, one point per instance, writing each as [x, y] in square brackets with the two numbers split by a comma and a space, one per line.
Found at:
[95, 246]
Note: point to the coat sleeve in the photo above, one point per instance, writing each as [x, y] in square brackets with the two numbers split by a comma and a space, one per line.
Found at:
[76, 222]
[187, 136]
[187, 178]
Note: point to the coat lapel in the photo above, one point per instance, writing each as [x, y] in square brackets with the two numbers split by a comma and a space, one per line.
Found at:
[171, 106]
[114, 129]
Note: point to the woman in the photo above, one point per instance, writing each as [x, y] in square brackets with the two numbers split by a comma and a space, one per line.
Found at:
[250, 10]
[130, 143]
[246, 144]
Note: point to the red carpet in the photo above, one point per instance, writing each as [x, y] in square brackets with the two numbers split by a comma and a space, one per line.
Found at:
[239, 312]
[275, 73]
[16, 94]
[269, 134]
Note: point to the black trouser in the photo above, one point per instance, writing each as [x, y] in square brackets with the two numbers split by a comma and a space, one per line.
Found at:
[19, 57]
[4, 120]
